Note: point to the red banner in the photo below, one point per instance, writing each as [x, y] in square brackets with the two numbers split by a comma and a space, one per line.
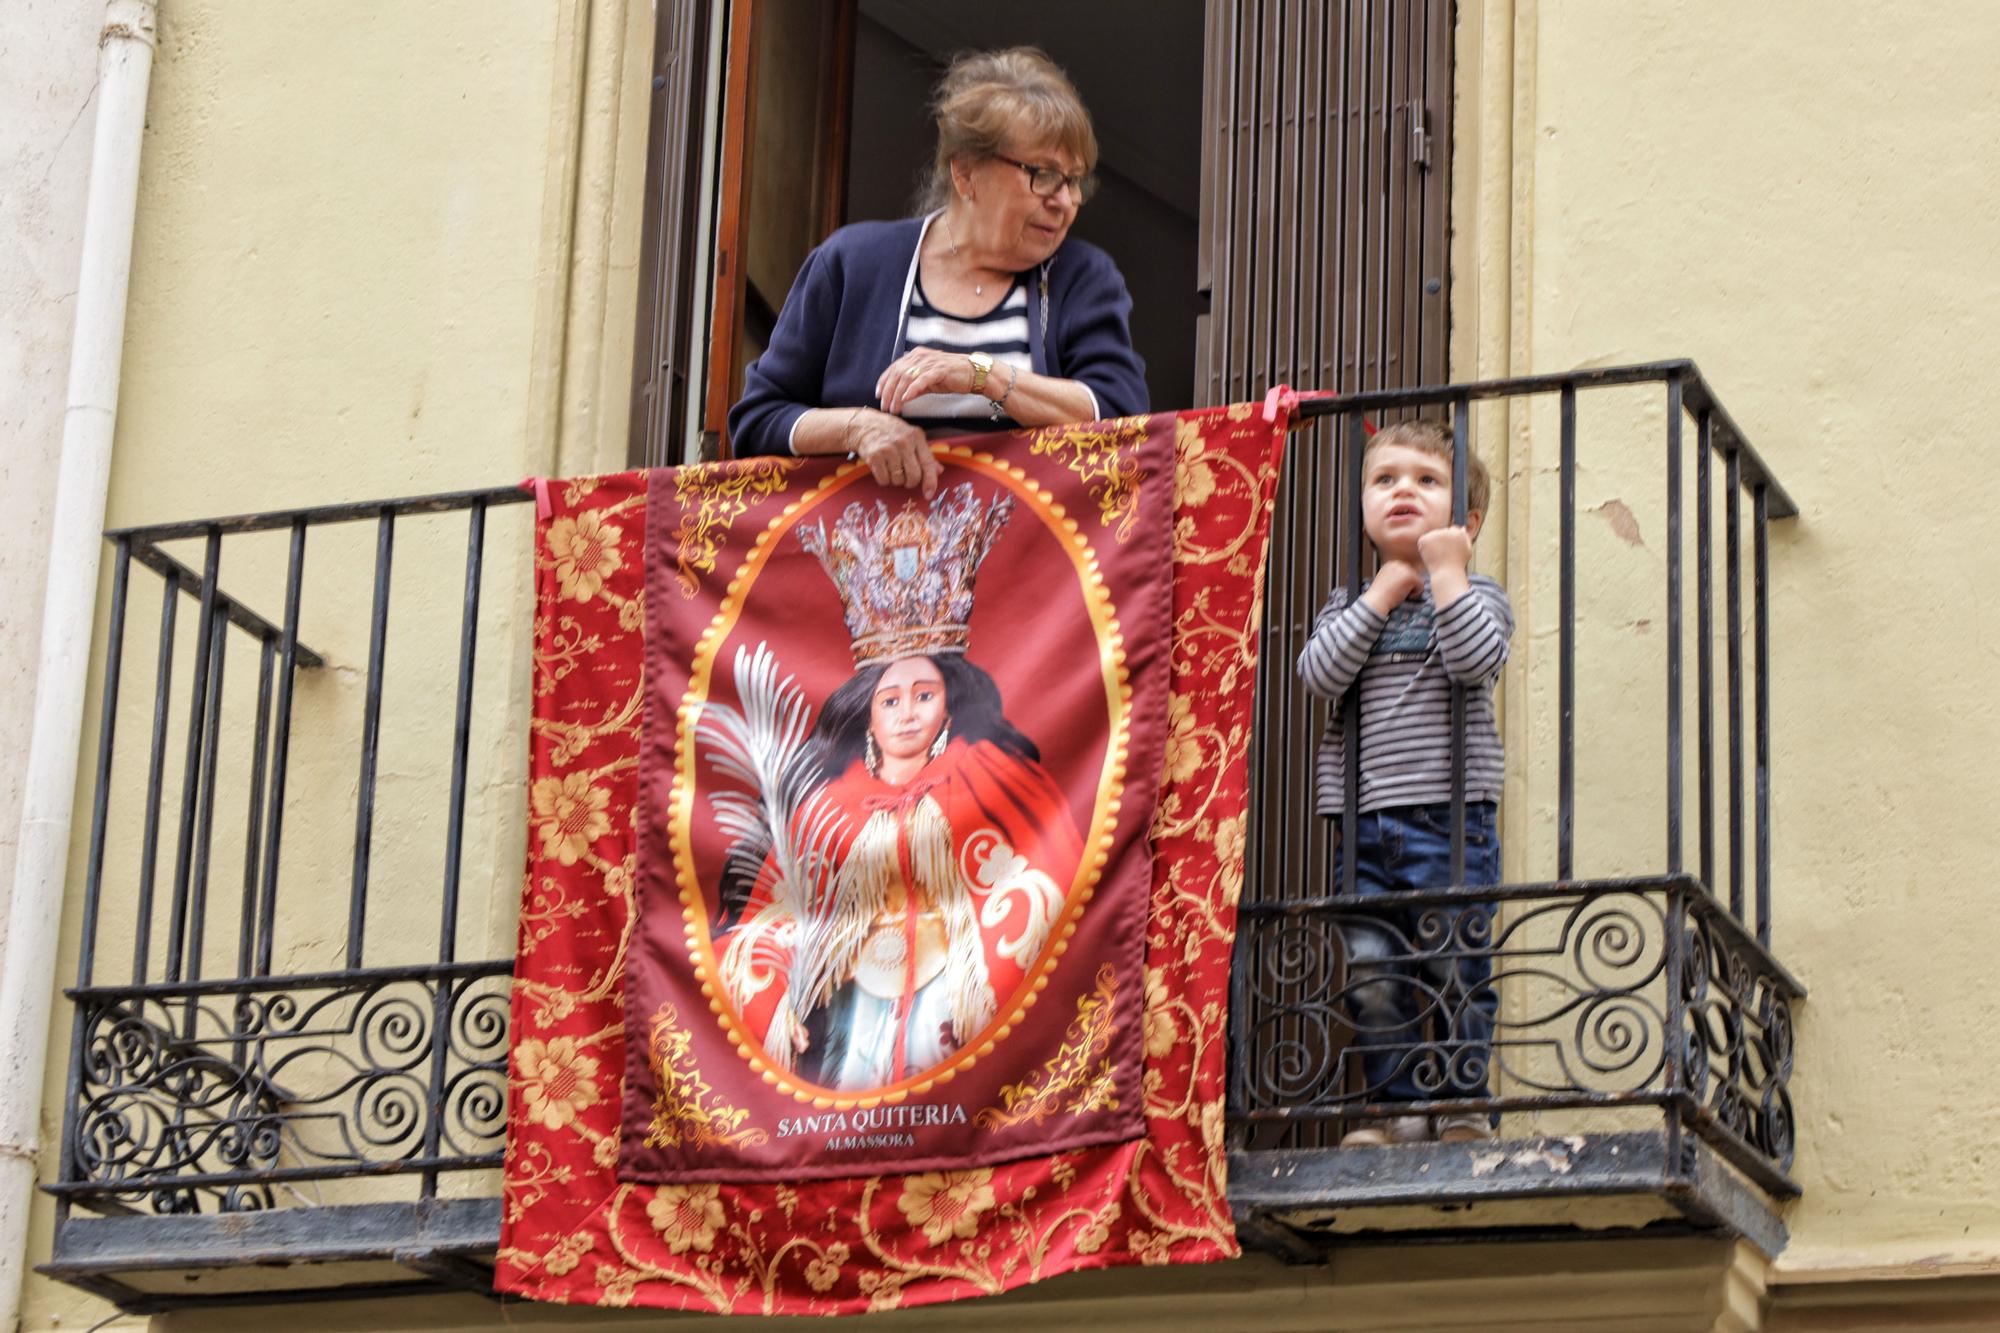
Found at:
[838, 884]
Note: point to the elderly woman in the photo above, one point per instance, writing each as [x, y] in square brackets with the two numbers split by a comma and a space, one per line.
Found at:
[981, 315]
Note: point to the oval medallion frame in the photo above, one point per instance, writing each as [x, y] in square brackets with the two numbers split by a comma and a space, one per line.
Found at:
[1098, 837]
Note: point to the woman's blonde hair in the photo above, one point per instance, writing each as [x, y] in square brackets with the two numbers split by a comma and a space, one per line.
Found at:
[989, 97]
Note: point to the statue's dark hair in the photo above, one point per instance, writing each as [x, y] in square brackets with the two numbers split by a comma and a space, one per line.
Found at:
[840, 735]
[972, 702]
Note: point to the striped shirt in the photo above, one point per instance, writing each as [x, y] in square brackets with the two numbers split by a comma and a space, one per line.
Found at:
[1404, 665]
[1002, 333]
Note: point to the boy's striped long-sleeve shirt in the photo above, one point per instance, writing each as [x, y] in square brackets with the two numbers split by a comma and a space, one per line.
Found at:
[1403, 665]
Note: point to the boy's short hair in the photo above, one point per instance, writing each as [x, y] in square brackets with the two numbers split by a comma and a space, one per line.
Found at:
[1434, 438]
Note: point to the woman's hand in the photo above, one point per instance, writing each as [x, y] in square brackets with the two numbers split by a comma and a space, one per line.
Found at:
[896, 452]
[923, 370]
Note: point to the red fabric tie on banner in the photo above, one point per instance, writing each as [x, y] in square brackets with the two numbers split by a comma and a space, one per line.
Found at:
[1281, 404]
[540, 486]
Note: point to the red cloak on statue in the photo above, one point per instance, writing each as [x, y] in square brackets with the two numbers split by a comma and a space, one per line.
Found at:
[986, 839]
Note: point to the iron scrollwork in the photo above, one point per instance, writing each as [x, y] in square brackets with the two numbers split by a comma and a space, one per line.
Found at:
[1585, 976]
[1737, 1038]
[196, 1101]
[1581, 971]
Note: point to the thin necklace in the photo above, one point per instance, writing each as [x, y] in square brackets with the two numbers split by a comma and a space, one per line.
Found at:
[978, 288]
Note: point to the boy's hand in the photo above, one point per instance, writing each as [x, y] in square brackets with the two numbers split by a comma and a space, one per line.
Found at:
[1443, 549]
[1392, 585]
[1445, 553]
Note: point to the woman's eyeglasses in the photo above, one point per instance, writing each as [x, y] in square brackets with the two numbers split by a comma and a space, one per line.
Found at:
[1046, 181]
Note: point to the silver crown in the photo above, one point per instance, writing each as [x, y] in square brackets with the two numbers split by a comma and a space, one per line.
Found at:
[906, 580]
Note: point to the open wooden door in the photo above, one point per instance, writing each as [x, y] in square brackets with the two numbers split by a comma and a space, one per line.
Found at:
[782, 176]
[668, 337]
[764, 129]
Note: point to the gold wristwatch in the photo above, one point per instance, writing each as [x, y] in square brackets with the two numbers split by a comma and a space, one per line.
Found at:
[982, 366]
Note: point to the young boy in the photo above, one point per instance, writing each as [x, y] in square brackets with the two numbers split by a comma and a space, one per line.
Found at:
[1421, 623]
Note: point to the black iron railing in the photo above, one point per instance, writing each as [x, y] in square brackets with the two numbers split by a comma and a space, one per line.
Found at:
[200, 1079]
[217, 1066]
[1647, 992]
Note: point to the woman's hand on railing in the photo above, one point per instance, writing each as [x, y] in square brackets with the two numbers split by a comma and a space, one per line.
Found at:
[896, 452]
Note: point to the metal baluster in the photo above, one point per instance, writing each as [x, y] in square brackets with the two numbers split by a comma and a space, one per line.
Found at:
[246, 931]
[1461, 466]
[274, 826]
[107, 736]
[1350, 703]
[205, 820]
[1761, 519]
[1674, 757]
[468, 643]
[1323, 461]
[1733, 554]
[1705, 641]
[371, 736]
[156, 771]
[197, 735]
[93, 881]
[1677, 917]
[461, 740]
[1566, 649]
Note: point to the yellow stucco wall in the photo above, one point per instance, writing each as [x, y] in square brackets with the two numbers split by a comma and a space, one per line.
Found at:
[1798, 195]
[382, 249]
[385, 249]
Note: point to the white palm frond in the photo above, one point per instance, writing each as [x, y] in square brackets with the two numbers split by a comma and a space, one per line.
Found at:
[782, 829]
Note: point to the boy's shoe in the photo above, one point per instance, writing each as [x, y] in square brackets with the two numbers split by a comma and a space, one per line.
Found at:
[1466, 1127]
[1383, 1133]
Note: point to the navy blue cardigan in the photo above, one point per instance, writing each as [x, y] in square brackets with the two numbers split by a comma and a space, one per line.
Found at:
[843, 324]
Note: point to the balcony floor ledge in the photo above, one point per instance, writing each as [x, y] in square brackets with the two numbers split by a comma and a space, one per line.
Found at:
[150, 1264]
[1299, 1203]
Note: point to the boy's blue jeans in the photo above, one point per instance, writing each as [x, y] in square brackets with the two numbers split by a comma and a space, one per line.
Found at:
[1406, 964]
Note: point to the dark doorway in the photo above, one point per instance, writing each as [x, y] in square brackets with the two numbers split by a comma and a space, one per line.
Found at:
[818, 115]
[1276, 179]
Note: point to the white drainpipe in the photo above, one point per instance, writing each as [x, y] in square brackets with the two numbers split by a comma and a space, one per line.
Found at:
[28, 966]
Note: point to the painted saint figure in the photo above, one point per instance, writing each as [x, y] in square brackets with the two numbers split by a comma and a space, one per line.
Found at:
[951, 850]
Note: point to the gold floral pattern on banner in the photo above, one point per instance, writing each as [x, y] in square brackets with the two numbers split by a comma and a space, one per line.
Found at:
[1076, 1078]
[588, 553]
[682, 1113]
[716, 495]
[1105, 455]
[571, 1232]
[1203, 474]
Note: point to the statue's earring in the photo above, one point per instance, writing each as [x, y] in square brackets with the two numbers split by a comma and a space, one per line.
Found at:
[873, 760]
[943, 739]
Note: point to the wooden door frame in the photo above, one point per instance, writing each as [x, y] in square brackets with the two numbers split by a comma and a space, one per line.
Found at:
[736, 171]
[732, 231]
[668, 260]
